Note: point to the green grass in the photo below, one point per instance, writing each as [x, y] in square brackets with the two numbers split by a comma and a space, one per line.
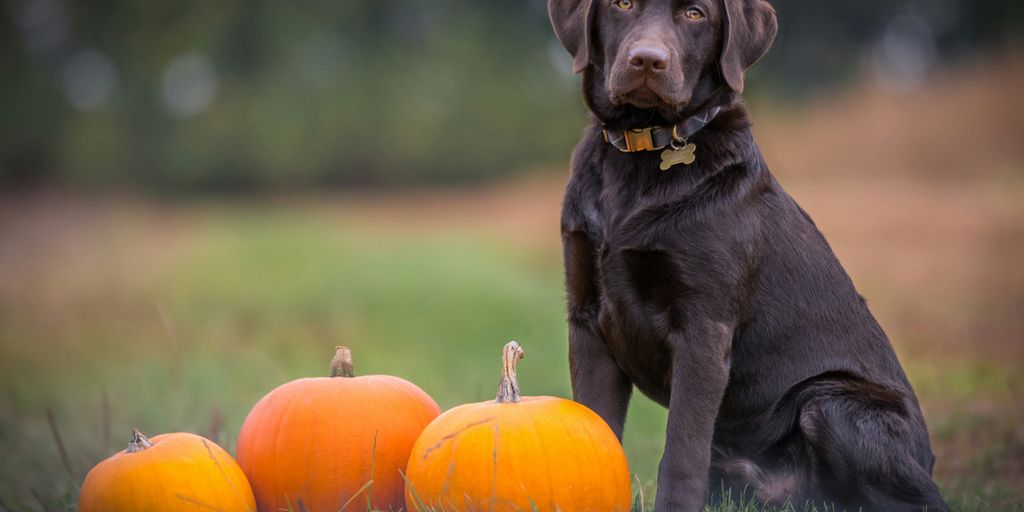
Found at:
[246, 299]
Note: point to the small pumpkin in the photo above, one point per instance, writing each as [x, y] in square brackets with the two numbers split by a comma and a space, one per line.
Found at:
[170, 472]
[518, 453]
[332, 443]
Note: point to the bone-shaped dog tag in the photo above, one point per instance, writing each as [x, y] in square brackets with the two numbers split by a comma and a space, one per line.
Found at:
[685, 155]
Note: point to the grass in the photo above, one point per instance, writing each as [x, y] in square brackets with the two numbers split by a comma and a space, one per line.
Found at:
[258, 299]
[241, 299]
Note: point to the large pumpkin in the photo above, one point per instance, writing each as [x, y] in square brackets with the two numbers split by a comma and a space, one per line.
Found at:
[170, 472]
[327, 443]
[514, 454]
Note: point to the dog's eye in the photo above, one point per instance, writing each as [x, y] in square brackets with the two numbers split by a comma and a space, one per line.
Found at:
[625, 5]
[694, 14]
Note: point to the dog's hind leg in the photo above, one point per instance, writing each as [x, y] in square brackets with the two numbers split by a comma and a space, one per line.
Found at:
[742, 479]
[868, 449]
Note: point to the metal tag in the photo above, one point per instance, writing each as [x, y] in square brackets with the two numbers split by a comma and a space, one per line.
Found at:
[685, 155]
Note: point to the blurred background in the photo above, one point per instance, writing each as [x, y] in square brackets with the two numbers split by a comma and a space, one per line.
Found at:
[198, 200]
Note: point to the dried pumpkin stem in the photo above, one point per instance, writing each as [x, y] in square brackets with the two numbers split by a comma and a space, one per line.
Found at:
[341, 365]
[139, 442]
[508, 387]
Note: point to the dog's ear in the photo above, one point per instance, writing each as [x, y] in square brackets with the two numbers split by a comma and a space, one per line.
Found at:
[750, 27]
[571, 20]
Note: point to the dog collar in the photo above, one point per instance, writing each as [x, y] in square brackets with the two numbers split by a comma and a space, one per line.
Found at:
[653, 138]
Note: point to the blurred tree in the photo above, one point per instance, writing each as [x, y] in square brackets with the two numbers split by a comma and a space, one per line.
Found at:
[224, 95]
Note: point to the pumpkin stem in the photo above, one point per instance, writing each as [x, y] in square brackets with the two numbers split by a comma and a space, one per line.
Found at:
[341, 365]
[139, 442]
[508, 387]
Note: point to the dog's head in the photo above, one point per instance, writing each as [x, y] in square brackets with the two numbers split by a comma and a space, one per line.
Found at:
[657, 59]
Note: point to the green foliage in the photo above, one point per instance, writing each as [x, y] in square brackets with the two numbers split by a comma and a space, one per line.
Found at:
[357, 93]
[317, 93]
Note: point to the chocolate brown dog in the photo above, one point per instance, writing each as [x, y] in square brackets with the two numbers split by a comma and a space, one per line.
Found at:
[692, 275]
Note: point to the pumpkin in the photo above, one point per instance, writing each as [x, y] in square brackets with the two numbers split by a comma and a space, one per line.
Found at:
[170, 472]
[518, 453]
[332, 443]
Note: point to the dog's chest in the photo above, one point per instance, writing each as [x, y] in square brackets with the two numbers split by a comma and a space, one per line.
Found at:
[638, 312]
[646, 276]
[655, 262]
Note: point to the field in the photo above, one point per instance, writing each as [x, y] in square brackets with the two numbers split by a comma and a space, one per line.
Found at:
[118, 311]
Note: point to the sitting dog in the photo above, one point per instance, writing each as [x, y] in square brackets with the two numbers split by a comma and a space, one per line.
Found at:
[693, 276]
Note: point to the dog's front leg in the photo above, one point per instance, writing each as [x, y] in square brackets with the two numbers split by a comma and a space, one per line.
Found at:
[700, 372]
[597, 380]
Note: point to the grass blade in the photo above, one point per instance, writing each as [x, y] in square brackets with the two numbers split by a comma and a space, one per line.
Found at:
[59, 441]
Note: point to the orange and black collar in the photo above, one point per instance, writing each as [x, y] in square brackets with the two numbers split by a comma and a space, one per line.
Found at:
[654, 138]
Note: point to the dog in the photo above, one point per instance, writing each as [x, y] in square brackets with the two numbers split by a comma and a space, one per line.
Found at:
[692, 275]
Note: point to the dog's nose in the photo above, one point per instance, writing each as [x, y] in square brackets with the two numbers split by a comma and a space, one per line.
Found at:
[648, 58]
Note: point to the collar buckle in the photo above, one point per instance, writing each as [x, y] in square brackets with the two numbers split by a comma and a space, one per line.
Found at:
[639, 139]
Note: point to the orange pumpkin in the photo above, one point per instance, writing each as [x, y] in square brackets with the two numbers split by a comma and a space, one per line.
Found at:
[327, 443]
[513, 454]
[170, 472]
